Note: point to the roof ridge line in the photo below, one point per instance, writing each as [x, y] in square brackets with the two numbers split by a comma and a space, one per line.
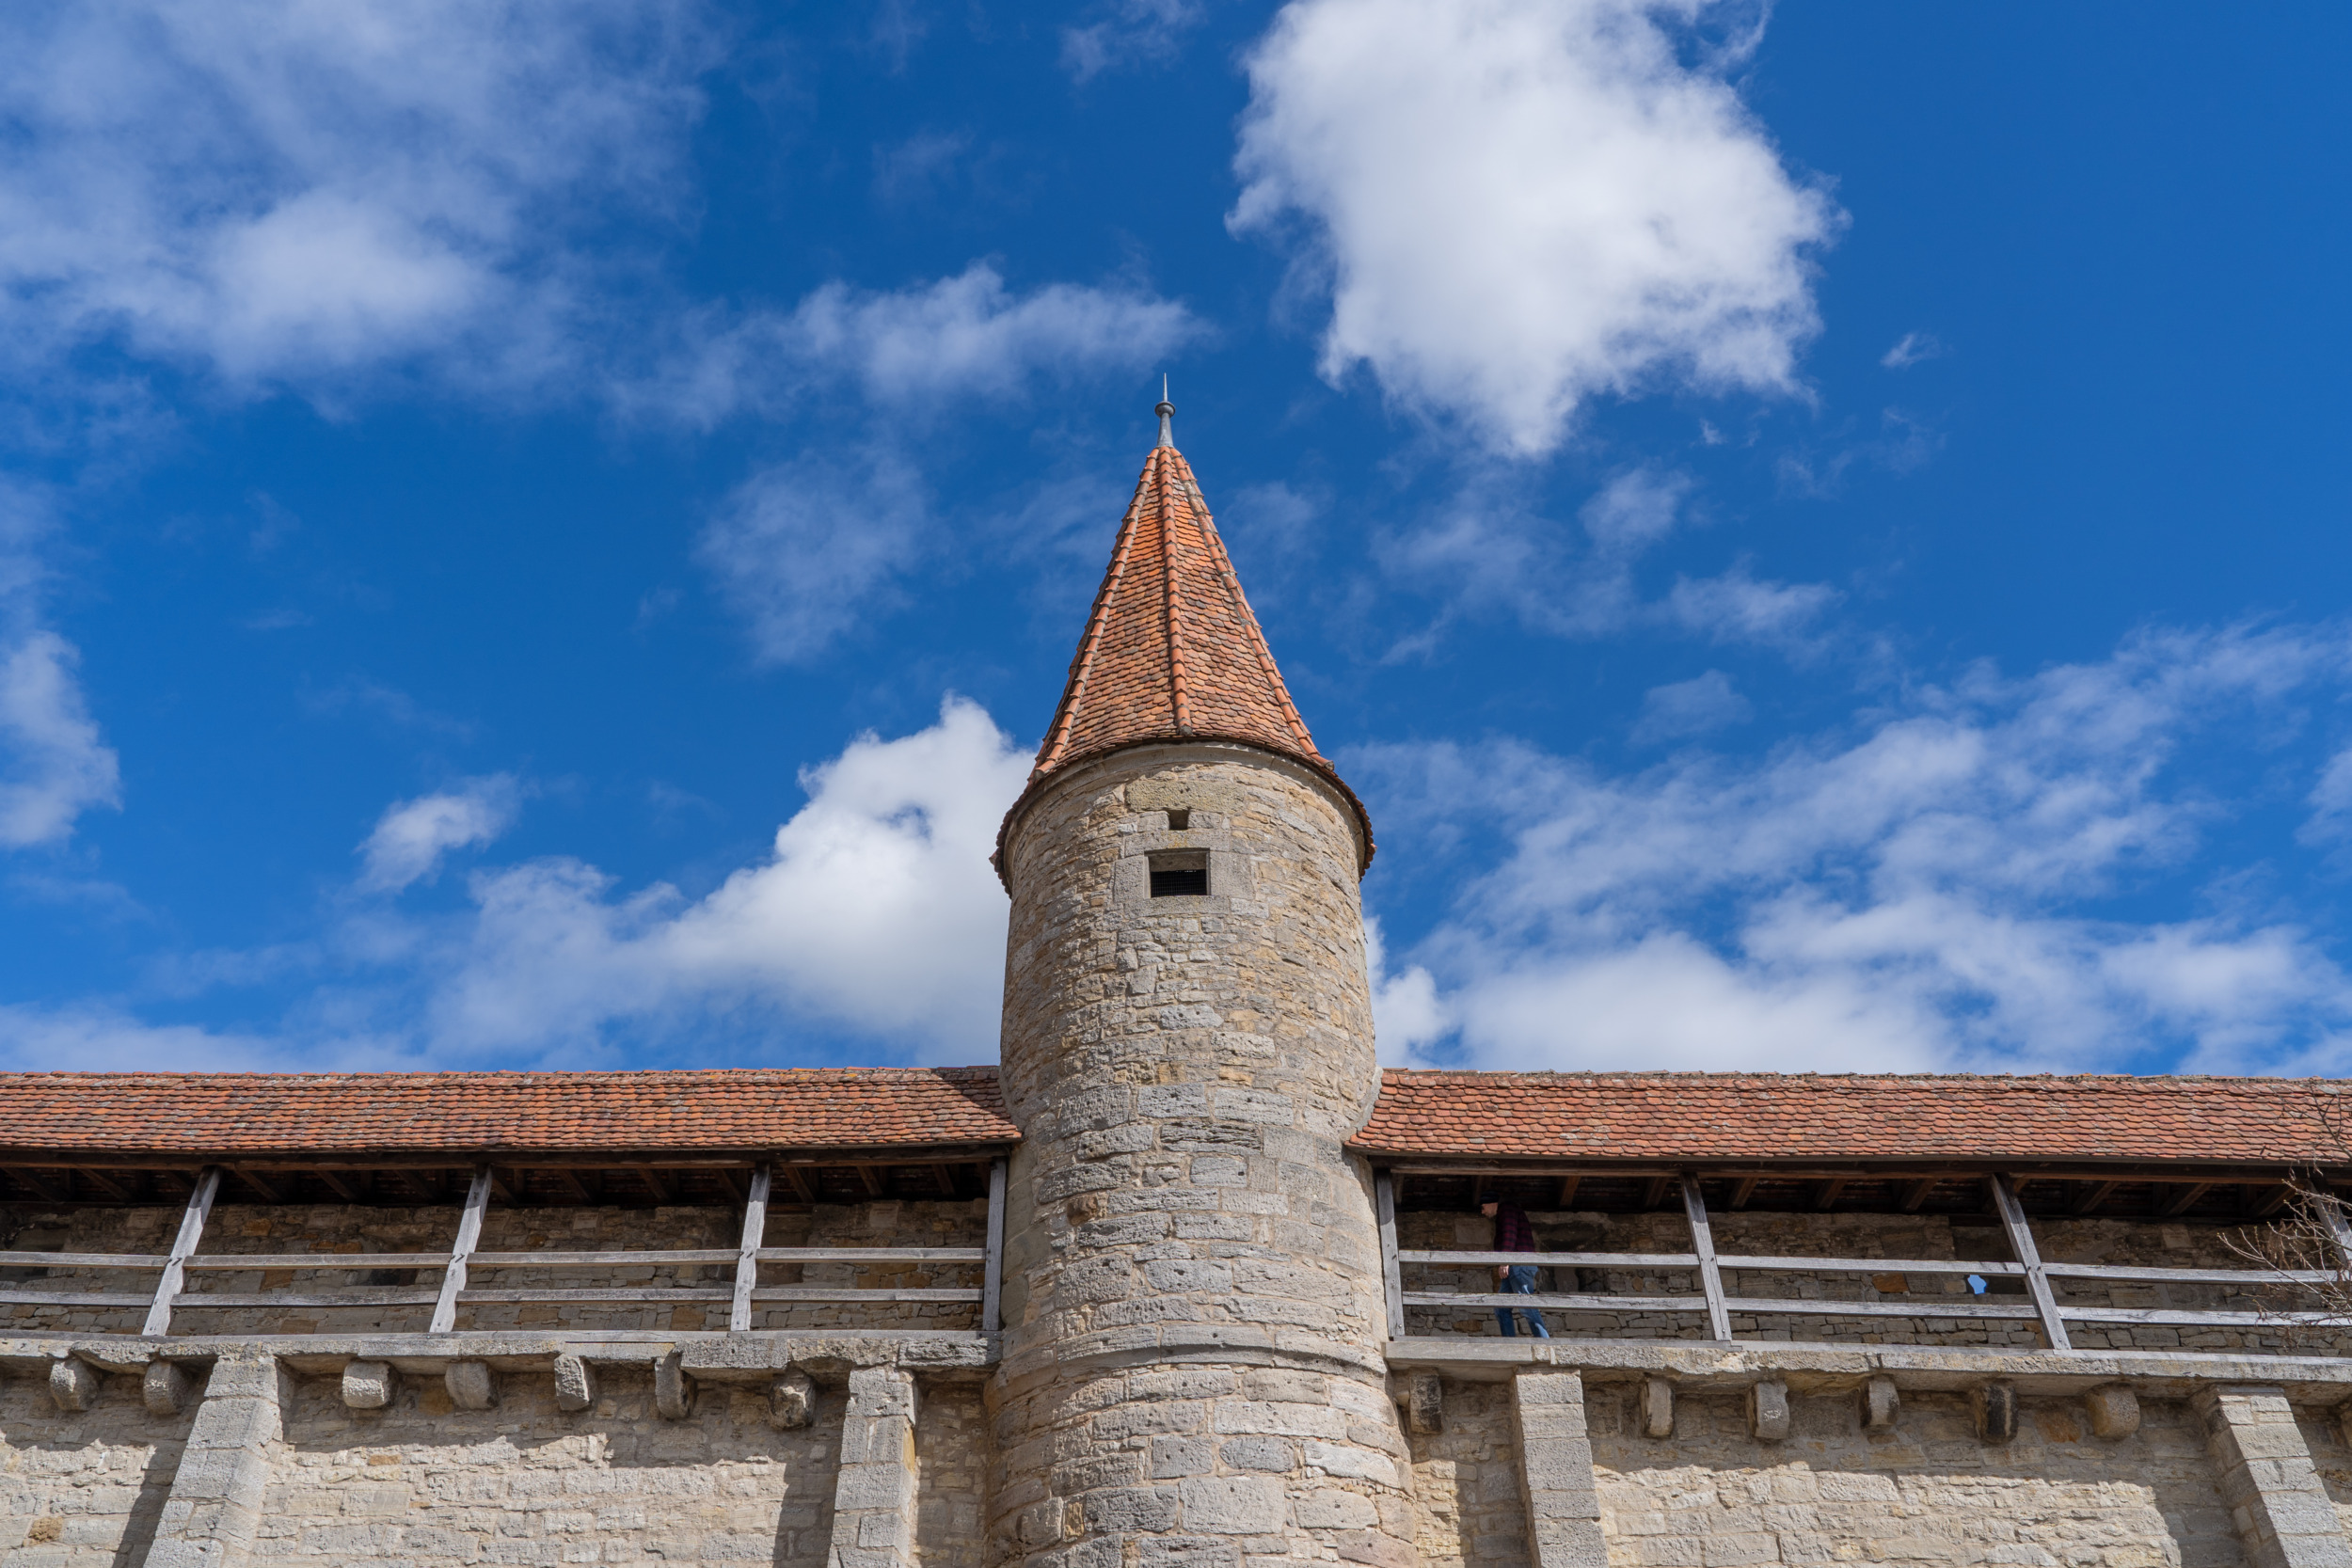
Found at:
[1180, 707]
[1082, 663]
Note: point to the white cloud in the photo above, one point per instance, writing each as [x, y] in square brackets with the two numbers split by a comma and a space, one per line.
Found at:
[969, 334]
[1485, 550]
[1406, 1013]
[1520, 204]
[53, 764]
[1939, 889]
[1910, 349]
[412, 836]
[878, 909]
[1128, 32]
[282, 190]
[1684, 708]
[805, 551]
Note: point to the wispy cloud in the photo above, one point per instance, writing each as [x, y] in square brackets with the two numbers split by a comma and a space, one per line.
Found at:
[1127, 33]
[1937, 889]
[272, 192]
[412, 837]
[1518, 205]
[1910, 349]
[805, 551]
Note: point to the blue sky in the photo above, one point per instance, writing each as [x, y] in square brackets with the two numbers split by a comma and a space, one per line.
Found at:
[543, 534]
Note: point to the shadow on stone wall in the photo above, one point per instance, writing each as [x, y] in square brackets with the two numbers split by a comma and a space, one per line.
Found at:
[87, 1485]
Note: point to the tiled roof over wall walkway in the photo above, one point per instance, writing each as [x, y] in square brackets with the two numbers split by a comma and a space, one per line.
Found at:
[1765, 1117]
[1747, 1117]
[882, 1108]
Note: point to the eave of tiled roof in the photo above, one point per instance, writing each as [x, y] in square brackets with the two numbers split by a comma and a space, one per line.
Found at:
[1764, 1118]
[896, 1109]
[1171, 650]
[1591, 1120]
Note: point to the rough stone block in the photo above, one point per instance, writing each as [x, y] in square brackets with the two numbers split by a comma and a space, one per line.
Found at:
[1655, 1416]
[673, 1390]
[1877, 1404]
[1328, 1508]
[166, 1387]
[575, 1384]
[73, 1385]
[471, 1385]
[1768, 1411]
[368, 1384]
[792, 1401]
[1232, 1505]
[2114, 1412]
[1995, 1407]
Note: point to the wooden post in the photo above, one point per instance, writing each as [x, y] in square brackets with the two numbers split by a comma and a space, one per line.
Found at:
[183, 1247]
[1703, 1242]
[747, 1255]
[993, 1269]
[2037, 1280]
[1391, 1283]
[2329, 1208]
[469, 1234]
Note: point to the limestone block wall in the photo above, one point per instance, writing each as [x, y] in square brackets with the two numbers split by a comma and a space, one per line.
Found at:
[417, 1483]
[82, 1489]
[1928, 1491]
[1467, 1511]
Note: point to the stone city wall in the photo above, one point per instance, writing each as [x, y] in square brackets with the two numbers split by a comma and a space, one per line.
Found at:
[619, 1457]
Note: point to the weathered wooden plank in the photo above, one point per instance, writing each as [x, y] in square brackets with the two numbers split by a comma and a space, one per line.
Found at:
[1703, 1242]
[377, 1296]
[1867, 1265]
[649, 1258]
[1568, 1303]
[76, 1298]
[1925, 1307]
[2189, 1318]
[873, 1255]
[1392, 1281]
[175, 1273]
[82, 1260]
[2251, 1278]
[233, 1262]
[2036, 1283]
[992, 1274]
[820, 1292]
[469, 1232]
[1559, 1259]
[747, 1255]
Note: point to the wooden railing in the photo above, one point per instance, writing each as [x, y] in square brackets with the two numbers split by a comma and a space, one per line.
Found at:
[2040, 1304]
[744, 1296]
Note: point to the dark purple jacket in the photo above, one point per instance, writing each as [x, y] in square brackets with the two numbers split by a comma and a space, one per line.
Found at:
[1512, 1232]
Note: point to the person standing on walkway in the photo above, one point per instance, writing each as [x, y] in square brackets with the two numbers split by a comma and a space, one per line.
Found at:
[1513, 1233]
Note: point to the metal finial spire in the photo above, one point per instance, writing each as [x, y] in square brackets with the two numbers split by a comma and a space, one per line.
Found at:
[1167, 411]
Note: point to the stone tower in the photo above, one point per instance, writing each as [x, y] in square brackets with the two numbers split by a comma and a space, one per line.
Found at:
[1194, 1322]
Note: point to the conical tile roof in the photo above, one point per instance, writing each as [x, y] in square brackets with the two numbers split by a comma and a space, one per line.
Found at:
[1171, 650]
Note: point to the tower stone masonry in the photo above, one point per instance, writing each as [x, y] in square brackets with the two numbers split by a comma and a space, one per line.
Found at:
[1193, 1367]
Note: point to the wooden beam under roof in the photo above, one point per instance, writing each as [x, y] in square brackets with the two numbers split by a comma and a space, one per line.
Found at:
[1569, 1185]
[343, 1184]
[103, 1183]
[654, 1183]
[1915, 1194]
[41, 1188]
[2095, 1194]
[796, 1177]
[1743, 1190]
[2262, 1203]
[1826, 1193]
[2167, 1173]
[1655, 1193]
[441, 1160]
[871, 1176]
[2186, 1199]
[270, 1194]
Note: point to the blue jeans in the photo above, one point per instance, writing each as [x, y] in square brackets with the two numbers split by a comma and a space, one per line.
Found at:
[1520, 1282]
